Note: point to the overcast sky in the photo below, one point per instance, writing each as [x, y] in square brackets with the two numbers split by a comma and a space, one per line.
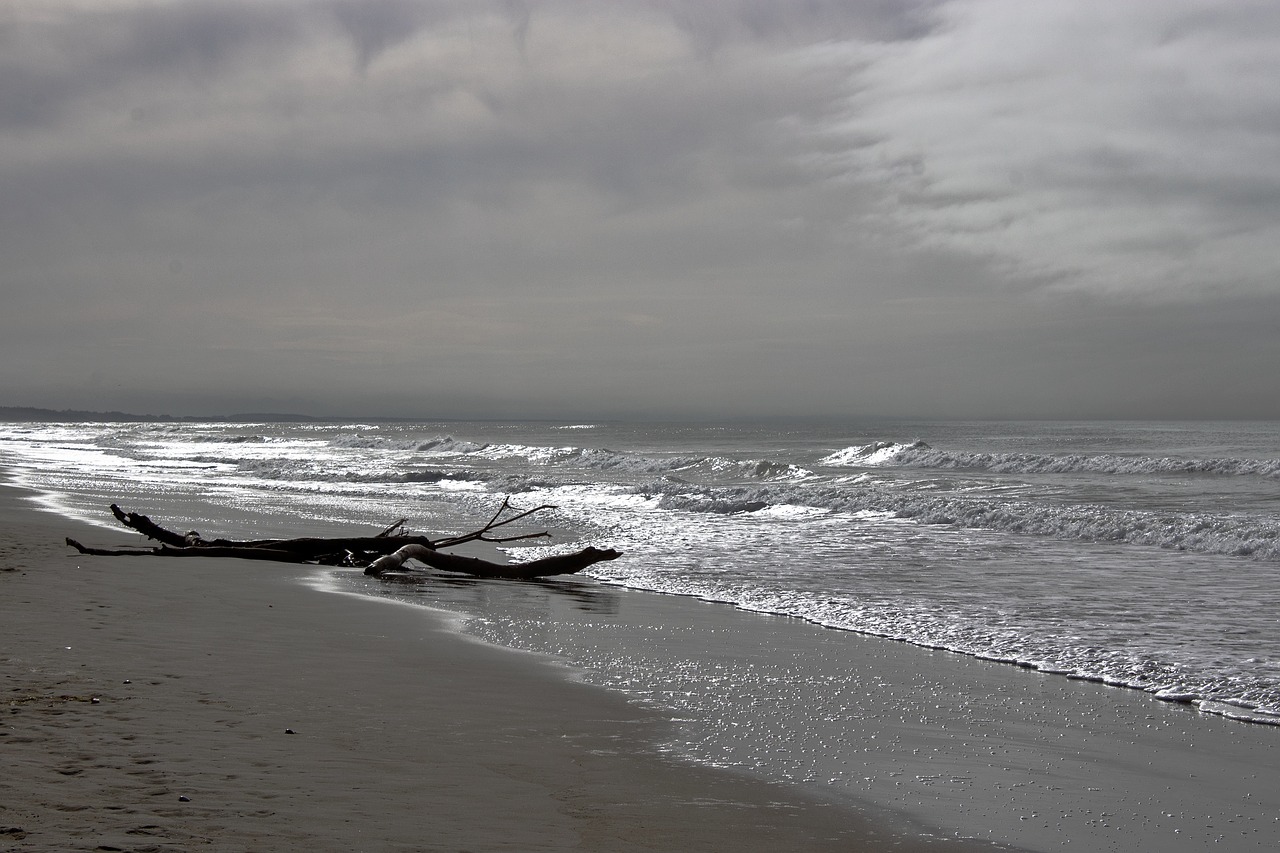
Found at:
[711, 208]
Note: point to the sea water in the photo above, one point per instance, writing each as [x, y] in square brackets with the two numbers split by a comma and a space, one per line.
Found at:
[1143, 555]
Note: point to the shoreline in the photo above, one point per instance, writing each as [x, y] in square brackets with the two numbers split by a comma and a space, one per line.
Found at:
[929, 737]
[412, 733]
[162, 704]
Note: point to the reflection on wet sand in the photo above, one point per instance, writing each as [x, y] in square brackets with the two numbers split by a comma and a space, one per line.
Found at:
[446, 590]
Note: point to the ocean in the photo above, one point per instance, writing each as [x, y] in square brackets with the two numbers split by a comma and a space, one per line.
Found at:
[1137, 554]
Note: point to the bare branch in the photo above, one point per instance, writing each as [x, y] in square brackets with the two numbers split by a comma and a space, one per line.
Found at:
[393, 528]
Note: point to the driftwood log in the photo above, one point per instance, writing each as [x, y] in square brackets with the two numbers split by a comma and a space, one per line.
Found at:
[565, 564]
[386, 552]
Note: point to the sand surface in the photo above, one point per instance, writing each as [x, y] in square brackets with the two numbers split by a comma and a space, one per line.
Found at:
[978, 748]
[159, 704]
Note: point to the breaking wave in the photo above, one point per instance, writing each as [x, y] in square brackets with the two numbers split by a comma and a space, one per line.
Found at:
[604, 459]
[448, 445]
[1255, 537]
[920, 455]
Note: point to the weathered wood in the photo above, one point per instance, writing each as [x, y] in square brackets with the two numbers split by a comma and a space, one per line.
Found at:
[150, 529]
[191, 551]
[564, 564]
[393, 528]
[311, 547]
[113, 552]
[379, 553]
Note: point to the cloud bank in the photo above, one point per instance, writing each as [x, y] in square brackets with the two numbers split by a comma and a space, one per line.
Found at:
[954, 208]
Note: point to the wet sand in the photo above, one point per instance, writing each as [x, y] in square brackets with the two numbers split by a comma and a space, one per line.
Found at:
[966, 747]
[157, 704]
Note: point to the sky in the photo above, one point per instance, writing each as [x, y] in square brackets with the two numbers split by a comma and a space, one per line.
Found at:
[642, 208]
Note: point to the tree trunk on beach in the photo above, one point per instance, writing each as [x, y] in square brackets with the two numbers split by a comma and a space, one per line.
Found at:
[380, 554]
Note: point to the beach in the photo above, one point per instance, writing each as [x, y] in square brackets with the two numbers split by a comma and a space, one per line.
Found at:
[175, 704]
[165, 704]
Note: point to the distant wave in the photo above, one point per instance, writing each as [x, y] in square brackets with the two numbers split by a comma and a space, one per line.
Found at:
[876, 453]
[604, 459]
[448, 445]
[544, 459]
[215, 438]
[920, 455]
[704, 503]
[760, 469]
[599, 459]
[361, 441]
[1253, 537]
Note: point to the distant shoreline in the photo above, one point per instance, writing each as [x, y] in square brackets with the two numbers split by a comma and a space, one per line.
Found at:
[32, 414]
[35, 414]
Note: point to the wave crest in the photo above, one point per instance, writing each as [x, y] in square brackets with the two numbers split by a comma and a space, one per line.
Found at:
[1237, 536]
[920, 455]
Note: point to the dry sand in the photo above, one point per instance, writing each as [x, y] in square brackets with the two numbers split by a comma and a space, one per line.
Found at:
[157, 704]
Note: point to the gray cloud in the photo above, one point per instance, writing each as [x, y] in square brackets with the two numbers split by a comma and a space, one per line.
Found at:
[617, 207]
[1123, 148]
